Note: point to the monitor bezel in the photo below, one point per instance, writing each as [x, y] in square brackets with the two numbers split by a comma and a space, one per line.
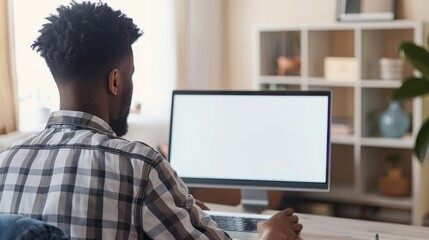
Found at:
[258, 184]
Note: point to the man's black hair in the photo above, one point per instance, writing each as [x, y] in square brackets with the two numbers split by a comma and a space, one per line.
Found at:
[85, 40]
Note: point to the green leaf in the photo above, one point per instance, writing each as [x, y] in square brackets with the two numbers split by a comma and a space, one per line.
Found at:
[422, 141]
[416, 56]
[412, 87]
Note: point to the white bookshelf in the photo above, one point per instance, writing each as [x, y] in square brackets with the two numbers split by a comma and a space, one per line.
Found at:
[358, 158]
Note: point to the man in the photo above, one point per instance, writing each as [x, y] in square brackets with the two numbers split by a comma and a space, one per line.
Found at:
[78, 174]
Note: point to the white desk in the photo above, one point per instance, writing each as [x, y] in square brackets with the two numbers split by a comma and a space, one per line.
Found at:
[333, 228]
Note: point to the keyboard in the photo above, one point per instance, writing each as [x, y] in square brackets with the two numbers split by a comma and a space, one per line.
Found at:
[235, 223]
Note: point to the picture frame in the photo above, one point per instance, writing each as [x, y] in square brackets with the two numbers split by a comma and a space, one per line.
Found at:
[366, 10]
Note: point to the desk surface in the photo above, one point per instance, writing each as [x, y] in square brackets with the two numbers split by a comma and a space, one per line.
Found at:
[334, 228]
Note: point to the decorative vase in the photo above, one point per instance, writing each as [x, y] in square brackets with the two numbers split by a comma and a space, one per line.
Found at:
[394, 122]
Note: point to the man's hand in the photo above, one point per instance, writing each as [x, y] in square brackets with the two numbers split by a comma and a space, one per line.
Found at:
[281, 226]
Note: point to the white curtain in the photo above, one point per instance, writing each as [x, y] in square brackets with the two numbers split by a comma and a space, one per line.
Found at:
[7, 89]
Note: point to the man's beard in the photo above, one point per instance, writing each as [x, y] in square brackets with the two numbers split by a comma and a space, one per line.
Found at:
[120, 124]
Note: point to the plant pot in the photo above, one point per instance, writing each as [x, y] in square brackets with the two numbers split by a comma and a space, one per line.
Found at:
[394, 184]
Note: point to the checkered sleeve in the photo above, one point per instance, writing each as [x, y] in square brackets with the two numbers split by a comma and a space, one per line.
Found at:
[170, 212]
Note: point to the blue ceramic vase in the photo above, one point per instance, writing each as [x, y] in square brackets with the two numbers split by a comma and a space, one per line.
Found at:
[394, 122]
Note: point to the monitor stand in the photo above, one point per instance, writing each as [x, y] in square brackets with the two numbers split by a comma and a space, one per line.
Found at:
[254, 201]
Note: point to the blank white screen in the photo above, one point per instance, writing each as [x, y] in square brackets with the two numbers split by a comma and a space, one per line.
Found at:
[250, 137]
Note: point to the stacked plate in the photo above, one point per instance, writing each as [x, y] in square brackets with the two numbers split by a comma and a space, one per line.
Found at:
[391, 68]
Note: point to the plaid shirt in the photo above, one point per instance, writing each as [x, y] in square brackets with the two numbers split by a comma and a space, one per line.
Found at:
[77, 175]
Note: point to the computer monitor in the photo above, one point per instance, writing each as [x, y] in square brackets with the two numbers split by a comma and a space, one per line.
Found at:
[252, 140]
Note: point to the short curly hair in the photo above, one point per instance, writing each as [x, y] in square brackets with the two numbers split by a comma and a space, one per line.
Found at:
[85, 40]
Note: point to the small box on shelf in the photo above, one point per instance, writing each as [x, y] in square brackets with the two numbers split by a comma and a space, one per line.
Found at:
[341, 69]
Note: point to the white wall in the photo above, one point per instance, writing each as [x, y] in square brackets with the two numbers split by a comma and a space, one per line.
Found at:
[205, 44]
[243, 15]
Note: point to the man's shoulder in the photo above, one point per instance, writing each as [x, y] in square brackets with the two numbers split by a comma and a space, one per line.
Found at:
[133, 149]
[88, 140]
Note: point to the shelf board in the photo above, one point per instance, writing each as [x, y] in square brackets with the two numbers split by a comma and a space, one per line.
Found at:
[346, 140]
[375, 83]
[315, 81]
[346, 194]
[397, 24]
[273, 79]
[405, 142]
[375, 198]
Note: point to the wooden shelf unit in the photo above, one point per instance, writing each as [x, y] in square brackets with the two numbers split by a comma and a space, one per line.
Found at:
[358, 158]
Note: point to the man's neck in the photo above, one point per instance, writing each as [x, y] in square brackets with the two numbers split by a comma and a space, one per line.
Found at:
[87, 100]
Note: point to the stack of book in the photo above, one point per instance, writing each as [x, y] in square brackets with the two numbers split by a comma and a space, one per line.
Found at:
[341, 126]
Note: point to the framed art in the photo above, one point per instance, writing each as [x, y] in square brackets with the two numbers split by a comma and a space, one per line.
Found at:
[366, 10]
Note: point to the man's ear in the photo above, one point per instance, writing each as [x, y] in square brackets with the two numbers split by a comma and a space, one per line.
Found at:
[114, 81]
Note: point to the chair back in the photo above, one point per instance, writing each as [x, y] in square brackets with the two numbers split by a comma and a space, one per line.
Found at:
[15, 227]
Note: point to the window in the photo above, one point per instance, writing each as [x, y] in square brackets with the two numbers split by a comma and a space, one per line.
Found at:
[154, 59]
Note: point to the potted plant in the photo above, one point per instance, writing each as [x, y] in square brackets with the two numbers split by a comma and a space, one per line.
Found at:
[393, 168]
[394, 183]
[415, 86]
